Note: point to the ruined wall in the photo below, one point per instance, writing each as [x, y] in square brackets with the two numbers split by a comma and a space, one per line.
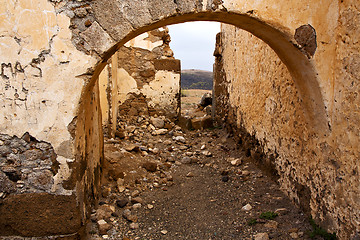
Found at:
[52, 52]
[318, 169]
[145, 80]
[38, 64]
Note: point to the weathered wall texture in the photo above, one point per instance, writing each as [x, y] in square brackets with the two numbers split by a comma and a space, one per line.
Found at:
[318, 169]
[52, 52]
[146, 72]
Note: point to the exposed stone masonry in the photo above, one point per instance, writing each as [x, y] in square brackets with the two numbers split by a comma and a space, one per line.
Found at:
[26, 165]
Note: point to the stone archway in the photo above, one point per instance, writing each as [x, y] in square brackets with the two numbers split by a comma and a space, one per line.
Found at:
[97, 30]
[116, 23]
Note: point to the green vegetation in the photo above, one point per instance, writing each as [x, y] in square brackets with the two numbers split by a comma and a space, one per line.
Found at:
[318, 231]
[252, 222]
[196, 79]
[268, 215]
[264, 215]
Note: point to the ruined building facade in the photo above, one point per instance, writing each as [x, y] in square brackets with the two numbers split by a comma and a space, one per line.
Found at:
[141, 78]
[290, 81]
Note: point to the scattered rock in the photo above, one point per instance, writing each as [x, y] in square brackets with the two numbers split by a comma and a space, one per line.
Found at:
[150, 166]
[247, 207]
[149, 206]
[261, 236]
[132, 148]
[206, 100]
[236, 162]
[207, 153]
[103, 227]
[122, 202]
[185, 160]
[179, 139]
[135, 193]
[164, 232]
[128, 216]
[160, 132]
[136, 206]
[190, 174]
[157, 122]
[134, 225]
[136, 200]
[294, 235]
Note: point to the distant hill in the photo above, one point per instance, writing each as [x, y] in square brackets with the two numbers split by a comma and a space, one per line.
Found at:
[196, 79]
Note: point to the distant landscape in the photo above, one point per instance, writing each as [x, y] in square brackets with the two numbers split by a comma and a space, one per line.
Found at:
[196, 79]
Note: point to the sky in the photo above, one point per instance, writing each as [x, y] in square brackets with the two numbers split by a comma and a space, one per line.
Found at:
[194, 43]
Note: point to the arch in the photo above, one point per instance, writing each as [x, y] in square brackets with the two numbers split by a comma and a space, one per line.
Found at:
[115, 24]
[280, 40]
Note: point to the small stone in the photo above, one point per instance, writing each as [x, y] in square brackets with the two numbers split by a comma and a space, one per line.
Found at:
[158, 122]
[167, 142]
[135, 193]
[128, 216]
[137, 200]
[121, 188]
[179, 139]
[80, 12]
[164, 232]
[203, 147]
[185, 160]
[247, 207]
[207, 153]
[130, 129]
[294, 235]
[136, 206]
[122, 202]
[236, 162]
[134, 225]
[149, 206]
[190, 174]
[154, 150]
[261, 236]
[245, 173]
[150, 166]
[162, 131]
[132, 148]
[103, 227]
[2, 195]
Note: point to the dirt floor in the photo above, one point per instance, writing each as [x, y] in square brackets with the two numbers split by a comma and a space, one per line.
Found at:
[161, 182]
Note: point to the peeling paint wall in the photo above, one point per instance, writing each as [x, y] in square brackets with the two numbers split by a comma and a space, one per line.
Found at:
[318, 169]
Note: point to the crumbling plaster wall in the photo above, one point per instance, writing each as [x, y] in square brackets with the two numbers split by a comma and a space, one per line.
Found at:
[318, 169]
[52, 52]
[135, 71]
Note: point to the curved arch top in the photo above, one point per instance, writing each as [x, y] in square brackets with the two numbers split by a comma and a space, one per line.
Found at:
[116, 22]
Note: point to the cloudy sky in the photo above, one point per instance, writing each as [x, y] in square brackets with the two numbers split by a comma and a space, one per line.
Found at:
[194, 43]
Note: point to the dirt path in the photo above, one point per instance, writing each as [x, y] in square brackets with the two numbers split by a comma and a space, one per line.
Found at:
[163, 183]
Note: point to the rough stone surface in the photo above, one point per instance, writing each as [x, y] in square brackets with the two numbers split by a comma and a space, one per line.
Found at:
[298, 116]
